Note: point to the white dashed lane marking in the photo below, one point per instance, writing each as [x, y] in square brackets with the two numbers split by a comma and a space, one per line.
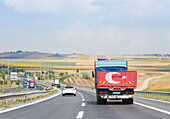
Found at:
[80, 115]
[83, 104]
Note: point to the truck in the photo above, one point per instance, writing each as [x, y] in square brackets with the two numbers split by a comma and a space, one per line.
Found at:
[113, 81]
[13, 76]
[25, 80]
[31, 83]
[57, 83]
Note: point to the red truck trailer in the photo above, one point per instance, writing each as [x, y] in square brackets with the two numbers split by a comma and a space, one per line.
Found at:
[31, 83]
[113, 81]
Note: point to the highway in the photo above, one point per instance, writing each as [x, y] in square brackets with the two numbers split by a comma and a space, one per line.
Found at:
[84, 106]
[24, 87]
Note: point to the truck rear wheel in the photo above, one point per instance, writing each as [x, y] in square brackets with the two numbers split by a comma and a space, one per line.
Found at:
[128, 101]
[101, 101]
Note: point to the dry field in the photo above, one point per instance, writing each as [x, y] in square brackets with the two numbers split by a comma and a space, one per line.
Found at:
[147, 66]
[160, 83]
[141, 77]
[78, 80]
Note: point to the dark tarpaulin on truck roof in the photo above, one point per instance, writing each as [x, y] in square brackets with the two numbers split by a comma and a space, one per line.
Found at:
[110, 69]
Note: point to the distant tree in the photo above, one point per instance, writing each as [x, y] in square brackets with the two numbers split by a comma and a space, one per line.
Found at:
[12, 81]
[19, 51]
[3, 76]
[18, 82]
[61, 74]
[1, 82]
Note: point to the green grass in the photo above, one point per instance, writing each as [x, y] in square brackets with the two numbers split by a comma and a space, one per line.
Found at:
[167, 66]
[162, 90]
[151, 60]
[37, 62]
[59, 63]
[24, 99]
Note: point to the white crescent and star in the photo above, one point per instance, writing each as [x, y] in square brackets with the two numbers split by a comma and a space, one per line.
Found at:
[108, 77]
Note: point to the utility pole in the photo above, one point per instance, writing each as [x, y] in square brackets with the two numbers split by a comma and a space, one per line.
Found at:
[8, 70]
[40, 69]
[48, 71]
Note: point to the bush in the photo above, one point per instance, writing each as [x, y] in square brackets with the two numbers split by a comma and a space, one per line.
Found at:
[5, 82]
[12, 82]
[1, 82]
[61, 74]
[18, 82]
[86, 76]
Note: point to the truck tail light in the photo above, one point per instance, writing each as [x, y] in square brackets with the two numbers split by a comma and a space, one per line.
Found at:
[130, 92]
[64, 89]
[103, 92]
[73, 89]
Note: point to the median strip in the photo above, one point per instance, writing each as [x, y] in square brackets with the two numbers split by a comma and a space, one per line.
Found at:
[30, 103]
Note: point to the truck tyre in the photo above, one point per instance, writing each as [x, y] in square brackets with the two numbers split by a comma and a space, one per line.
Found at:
[98, 101]
[74, 94]
[131, 101]
[104, 101]
[63, 94]
[101, 101]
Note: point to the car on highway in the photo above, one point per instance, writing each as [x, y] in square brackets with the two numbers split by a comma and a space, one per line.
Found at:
[58, 85]
[38, 85]
[69, 90]
[53, 84]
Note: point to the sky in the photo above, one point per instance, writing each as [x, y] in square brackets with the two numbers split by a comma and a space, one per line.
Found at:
[101, 27]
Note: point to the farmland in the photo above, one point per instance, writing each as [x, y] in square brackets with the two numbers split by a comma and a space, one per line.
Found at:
[147, 66]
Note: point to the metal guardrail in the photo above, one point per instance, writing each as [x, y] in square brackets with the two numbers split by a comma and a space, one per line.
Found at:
[4, 90]
[24, 94]
[154, 94]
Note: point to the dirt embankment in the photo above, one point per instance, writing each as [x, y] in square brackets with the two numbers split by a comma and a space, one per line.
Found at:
[78, 80]
[160, 83]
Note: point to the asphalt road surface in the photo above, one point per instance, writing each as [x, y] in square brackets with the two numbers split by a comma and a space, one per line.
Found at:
[24, 87]
[84, 106]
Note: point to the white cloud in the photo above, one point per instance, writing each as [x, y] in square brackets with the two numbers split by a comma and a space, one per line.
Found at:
[144, 7]
[104, 40]
[79, 6]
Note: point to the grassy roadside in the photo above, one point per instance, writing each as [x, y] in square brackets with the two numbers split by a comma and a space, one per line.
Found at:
[24, 99]
[162, 90]
[7, 84]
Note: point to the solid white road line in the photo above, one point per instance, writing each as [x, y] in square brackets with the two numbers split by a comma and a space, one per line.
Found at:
[28, 104]
[83, 99]
[153, 108]
[80, 115]
[153, 99]
[83, 104]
